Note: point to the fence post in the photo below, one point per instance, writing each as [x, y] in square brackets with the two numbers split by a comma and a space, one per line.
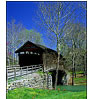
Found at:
[27, 70]
[21, 71]
[7, 73]
[47, 79]
[7, 80]
[32, 69]
[39, 66]
[43, 68]
[14, 73]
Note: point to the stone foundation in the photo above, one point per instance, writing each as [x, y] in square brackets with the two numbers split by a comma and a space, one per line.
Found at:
[34, 80]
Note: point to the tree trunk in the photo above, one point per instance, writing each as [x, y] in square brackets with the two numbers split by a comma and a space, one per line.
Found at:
[58, 51]
[72, 76]
[56, 79]
[74, 71]
[85, 66]
[73, 60]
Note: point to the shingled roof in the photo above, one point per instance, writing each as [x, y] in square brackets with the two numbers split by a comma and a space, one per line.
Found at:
[40, 47]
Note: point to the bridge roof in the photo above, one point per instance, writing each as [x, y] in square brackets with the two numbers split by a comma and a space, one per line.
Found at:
[32, 47]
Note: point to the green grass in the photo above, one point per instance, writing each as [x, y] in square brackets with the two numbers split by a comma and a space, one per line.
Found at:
[65, 92]
[78, 72]
[76, 88]
[80, 81]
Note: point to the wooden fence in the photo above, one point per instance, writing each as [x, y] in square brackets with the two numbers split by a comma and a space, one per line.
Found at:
[21, 71]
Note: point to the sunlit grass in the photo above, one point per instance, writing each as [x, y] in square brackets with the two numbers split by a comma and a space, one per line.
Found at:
[80, 80]
[29, 93]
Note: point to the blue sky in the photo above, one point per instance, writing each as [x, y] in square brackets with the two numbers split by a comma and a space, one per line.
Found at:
[25, 12]
[22, 12]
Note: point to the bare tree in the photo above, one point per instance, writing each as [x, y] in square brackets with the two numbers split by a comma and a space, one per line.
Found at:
[14, 32]
[54, 16]
[75, 36]
[83, 5]
[17, 35]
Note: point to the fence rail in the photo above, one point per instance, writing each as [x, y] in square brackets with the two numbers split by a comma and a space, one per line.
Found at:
[21, 71]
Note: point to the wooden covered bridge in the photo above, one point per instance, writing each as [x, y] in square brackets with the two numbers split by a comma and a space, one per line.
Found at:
[34, 54]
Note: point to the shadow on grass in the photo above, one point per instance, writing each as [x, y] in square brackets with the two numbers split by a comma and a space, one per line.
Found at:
[76, 88]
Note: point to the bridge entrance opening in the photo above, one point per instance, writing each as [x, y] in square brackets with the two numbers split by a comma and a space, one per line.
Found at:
[60, 76]
[30, 59]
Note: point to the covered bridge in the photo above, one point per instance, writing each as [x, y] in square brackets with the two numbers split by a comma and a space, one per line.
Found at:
[34, 54]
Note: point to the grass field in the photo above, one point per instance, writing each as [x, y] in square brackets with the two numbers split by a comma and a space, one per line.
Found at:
[62, 92]
[80, 81]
